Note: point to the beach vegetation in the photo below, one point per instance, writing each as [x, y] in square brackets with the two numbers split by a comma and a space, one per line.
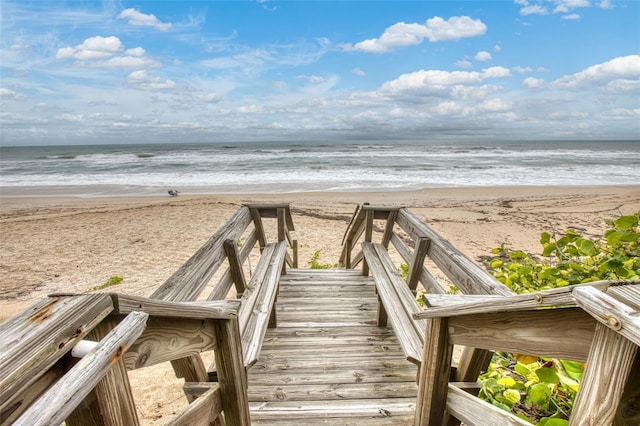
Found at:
[113, 280]
[543, 390]
[314, 262]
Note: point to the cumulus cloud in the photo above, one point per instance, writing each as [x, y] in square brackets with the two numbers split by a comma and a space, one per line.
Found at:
[431, 80]
[140, 19]
[143, 80]
[106, 52]
[358, 71]
[463, 63]
[533, 83]
[618, 69]
[435, 29]
[572, 17]
[483, 56]
[92, 48]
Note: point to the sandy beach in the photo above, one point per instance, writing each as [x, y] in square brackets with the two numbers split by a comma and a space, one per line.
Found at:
[53, 244]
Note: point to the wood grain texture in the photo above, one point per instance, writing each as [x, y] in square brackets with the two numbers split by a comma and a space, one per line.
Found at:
[203, 411]
[62, 397]
[610, 311]
[608, 366]
[33, 341]
[473, 411]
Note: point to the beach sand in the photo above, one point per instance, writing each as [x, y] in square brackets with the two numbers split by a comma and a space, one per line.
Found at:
[73, 244]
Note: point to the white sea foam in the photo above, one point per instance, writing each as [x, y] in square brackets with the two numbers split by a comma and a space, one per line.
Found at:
[278, 167]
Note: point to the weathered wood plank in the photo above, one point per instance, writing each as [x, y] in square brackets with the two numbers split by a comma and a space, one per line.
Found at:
[33, 341]
[256, 324]
[232, 375]
[62, 397]
[527, 332]
[464, 273]
[111, 400]
[434, 374]
[167, 339]
[202, 412]
[235, 265]
[427, 279]
[190, 279]
[473, 411]
[445, 304]
[416, 263]
[608, 367]
[398, 301]
[220, 309]
[609, 311]
[332, 391]
[373, 408]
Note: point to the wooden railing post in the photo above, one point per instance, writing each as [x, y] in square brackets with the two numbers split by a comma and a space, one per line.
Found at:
[232, 375]
[368, 235]
[417, 262]
[235, 267]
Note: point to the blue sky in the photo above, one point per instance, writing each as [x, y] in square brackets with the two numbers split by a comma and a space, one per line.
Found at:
[200, 71]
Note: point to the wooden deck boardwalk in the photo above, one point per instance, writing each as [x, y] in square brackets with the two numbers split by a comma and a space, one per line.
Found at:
[327, 362]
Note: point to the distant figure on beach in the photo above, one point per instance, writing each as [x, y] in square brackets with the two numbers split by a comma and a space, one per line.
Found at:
[173, 192]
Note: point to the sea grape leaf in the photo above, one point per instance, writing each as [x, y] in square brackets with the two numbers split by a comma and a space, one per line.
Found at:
[548, 375]
[552, 422]
[540, 394]
[626, 223]
[574, 369]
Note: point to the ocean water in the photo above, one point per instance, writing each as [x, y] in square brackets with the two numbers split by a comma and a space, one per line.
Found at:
[276, 167]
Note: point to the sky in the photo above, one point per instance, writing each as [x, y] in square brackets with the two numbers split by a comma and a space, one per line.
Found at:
[90, 72]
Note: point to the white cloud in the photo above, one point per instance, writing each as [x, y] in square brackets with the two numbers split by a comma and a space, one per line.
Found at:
[358, 71]
[522, 70]
[483, 56]
[435, 29]
[463, 63]
[535, 9]
[497, 48]
[145, 81]
[6, 93]
[440, 80]
[621, 113]
[533, 83]
[138, 51]
[106, 52]
[564, 6]
[572, 17]
[605, 4]
[140, 19]
[92, 48]
[621, 68]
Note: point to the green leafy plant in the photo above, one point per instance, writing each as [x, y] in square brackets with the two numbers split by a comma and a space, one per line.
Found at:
[315, 264]
[543, 390]
[572, 258]
[113, 280]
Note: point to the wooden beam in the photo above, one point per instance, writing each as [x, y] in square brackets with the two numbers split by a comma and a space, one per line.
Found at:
[235, 266]
[434, 374]
[232, 375]
[608, 366]
[430, 283]
[527, 332]
[221, 309]
[259, 227]
[34, 340]
[62, 397]
[111, 402]
[417, 262]
[474, 411]
[192, 277]
[611, 312]
[464, 273]
[388, 228]
[203, 411]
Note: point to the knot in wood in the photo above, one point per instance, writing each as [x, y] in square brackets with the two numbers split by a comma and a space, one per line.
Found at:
[539, 299]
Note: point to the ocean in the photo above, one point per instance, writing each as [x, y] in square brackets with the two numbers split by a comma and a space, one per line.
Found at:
[281, 167]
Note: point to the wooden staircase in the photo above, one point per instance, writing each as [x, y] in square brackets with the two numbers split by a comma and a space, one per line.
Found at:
[327, 362]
